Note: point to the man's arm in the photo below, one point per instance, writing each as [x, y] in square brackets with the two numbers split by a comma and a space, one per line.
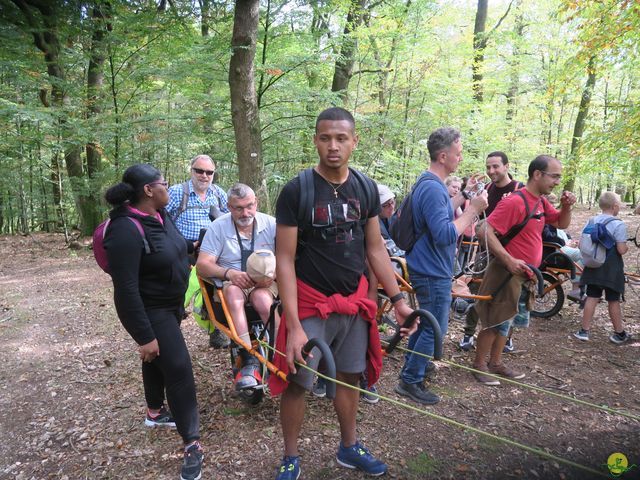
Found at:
[381, 265]
[286, 245]
[477, 205]
[514, 265]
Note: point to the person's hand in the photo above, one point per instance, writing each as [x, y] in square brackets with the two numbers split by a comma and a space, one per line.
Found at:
[567, 199]
[266, 283]
[480, 202]
[519, 267]
[149, 351]
[402, 311]
[240, 279]
[474, 181]
[196, 244]
[296, 339]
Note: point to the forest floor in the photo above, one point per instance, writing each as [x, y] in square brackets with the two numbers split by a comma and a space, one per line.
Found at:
[71, 402]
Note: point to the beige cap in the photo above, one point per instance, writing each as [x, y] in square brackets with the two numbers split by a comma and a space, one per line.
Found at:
[385, 193]
[261, 265]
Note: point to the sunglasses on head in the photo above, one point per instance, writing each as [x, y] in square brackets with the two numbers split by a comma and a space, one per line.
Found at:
[200, 171]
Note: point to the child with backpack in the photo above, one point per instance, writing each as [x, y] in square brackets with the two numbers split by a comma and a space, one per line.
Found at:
[603, 242]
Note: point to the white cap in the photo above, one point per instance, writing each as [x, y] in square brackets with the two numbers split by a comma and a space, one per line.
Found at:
[261, 265]
[385, 193]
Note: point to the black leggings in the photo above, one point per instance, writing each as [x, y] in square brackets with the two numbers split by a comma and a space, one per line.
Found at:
[172, 371]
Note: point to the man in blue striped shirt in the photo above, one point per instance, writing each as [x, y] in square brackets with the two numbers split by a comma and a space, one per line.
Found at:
[202, 194]
[189, 206]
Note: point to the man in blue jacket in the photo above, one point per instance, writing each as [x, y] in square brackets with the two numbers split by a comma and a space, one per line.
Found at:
[432, 258]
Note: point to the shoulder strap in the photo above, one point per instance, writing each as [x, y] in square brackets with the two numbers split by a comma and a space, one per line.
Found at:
[307, 193]
[139, 227]
[367, 186]
[184, 201]
[516, 229]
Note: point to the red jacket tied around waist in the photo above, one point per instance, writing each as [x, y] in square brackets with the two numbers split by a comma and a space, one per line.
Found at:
[312, 303]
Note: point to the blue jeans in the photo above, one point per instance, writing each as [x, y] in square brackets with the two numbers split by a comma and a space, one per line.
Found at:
[434, 296]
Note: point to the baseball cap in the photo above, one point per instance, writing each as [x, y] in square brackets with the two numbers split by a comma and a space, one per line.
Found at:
[385, 193]
[261, 265]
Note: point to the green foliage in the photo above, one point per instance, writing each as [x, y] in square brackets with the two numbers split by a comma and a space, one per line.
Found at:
[165, 96]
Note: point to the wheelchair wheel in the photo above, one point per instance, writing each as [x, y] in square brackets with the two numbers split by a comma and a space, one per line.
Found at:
[252, 396]
[551, 303]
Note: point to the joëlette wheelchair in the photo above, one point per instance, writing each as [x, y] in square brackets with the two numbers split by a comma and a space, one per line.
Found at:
[218, 314]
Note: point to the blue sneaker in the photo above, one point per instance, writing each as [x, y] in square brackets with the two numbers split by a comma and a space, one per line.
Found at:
[358, 457]
[289, 469]
[509, 347]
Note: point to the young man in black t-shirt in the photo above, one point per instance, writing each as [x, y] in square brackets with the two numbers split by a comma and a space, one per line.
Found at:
[330, 264]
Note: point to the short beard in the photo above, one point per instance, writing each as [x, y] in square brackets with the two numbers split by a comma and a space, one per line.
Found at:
[244, 222]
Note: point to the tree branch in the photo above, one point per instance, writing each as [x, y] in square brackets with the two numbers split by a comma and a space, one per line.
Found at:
[501, 19]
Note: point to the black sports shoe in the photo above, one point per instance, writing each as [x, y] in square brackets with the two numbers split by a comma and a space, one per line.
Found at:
[217, 339]
[192, 462]
[162, 419]
[416, 392]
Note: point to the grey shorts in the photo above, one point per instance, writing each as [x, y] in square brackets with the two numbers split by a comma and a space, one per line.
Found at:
[348, 339]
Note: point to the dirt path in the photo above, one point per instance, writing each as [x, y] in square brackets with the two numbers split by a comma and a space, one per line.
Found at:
[71, 403]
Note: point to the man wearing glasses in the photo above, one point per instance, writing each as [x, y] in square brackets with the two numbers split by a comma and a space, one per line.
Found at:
[190, 202]
[189, 206]
[508, 268]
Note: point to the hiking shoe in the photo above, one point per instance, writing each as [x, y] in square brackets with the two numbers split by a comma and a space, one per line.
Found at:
[192, 462]
[289, 468]
[319, 388]
[505, 372]
[161, 419]
[248, 377]
[619, 338]
[371, 394]
[582, 334]
[482, 377]
[217, 339]
[467, 343]
[416, 392]
[509, 347]
[358, 457]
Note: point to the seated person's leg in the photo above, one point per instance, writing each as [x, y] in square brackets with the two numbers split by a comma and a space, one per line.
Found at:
[248, 376]
[262, 300]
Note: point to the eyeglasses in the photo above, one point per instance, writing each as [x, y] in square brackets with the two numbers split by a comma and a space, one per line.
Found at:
[555, 176]
[164, 184]
[200, 171]
[241, 208]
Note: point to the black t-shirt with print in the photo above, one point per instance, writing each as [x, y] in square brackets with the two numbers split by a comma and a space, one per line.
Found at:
[333, 257]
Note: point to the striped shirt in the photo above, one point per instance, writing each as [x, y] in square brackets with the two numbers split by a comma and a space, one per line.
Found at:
[196, 216]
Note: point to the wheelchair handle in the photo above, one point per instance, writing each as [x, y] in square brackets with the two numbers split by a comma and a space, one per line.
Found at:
[538, 275]
[329, 362]
[424, 317]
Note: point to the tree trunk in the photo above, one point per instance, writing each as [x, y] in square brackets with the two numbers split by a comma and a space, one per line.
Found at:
[244, 105]
[347, 58]
[95, 82]
[479, 44]
[578, 129]
[205, 16]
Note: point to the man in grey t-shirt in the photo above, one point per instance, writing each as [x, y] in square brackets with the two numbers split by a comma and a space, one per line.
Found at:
[225, 249]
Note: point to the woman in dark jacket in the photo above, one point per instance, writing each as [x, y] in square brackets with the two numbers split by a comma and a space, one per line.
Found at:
[150, 276]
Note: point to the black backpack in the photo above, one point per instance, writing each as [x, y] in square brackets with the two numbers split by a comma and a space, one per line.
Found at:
[401, 227]
[529, 214]
[365, 190]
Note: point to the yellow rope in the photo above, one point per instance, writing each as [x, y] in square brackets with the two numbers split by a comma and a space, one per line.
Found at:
[507, 441]
[529, 386]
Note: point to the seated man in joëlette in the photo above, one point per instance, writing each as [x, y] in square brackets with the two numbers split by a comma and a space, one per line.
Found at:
[227, 245]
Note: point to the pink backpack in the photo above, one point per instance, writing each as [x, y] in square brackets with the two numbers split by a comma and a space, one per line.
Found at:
[99, 251]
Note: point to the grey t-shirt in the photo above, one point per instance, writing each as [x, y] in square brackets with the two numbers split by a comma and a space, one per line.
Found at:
[616, 228]
[221, 240]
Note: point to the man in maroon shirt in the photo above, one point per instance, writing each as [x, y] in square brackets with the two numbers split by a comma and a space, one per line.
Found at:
[510, 261]
[501, 186]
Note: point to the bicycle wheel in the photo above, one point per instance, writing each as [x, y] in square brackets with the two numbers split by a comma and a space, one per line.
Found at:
[551, 303]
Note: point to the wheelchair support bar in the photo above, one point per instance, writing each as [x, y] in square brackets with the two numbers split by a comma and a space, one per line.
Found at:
[548, 261]
[329, 362]
[428, 319]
